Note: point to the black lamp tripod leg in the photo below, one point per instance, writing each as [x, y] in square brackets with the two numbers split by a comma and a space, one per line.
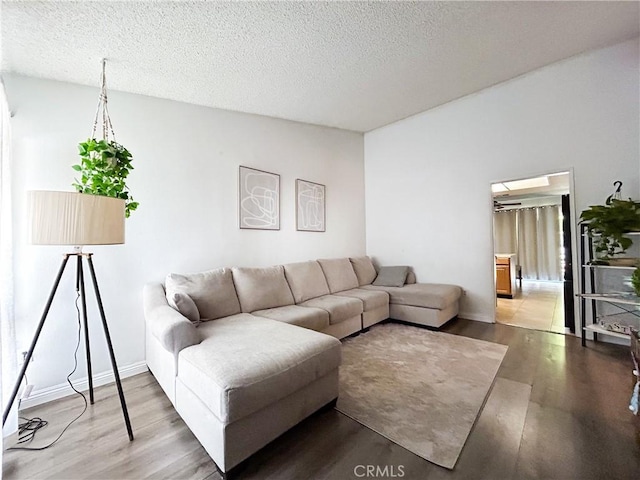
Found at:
[27, 359]
[80, 289]
[111, 354]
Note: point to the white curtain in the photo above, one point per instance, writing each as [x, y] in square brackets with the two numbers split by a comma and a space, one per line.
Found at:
[505, 231]
[540, 241]
[535, 236]
[528, 239]
[8, 356]
[549, 243]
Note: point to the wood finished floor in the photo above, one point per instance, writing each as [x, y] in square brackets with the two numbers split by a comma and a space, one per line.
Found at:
[556, 411]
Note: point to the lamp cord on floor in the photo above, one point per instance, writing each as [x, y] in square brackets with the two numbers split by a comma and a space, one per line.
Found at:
[30, 426]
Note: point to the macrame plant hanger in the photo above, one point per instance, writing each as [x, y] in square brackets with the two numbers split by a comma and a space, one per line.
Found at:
[102, 107]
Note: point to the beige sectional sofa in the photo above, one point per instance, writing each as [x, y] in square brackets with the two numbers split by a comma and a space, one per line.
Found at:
[227, 348]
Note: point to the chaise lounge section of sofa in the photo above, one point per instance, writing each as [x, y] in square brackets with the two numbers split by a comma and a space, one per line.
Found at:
[238, 380]
[244, 354]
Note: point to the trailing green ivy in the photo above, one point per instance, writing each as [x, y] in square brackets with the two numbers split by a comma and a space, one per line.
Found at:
[608, 223]
[103, 169]
[635, 281]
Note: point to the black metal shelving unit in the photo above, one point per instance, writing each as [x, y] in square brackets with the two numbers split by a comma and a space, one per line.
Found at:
[626, 303]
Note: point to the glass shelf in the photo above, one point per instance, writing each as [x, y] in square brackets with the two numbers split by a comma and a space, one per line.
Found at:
[598, 329]
[612, 298]
[597, 234]
[620, 267]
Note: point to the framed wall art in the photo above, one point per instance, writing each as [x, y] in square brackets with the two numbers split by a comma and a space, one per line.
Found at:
[310, 206]
[259, 199]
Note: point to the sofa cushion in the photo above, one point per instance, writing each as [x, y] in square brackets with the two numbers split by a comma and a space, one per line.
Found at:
[339, 308]
[429, 295]
[339, 274]
[371, 299]
[245, 363]
[411, 278]
[184, 304]
[212, 292]
[391, 277]
[306, 280]
[364, 270]
[307, 317]
[261, 288]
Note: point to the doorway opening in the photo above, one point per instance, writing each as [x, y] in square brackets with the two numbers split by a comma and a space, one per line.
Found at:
[533, 253]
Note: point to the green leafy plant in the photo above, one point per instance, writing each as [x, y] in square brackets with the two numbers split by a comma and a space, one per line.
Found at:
[635, 281]
[104, 168]
[608, 223]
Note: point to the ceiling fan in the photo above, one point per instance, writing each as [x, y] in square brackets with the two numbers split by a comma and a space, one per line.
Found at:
[500, 205]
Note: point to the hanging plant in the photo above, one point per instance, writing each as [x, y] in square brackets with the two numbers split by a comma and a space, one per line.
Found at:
[608, 224]
[103, 168]
[105, 164]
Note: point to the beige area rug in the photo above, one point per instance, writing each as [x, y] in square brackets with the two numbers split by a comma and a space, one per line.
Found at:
[421, 389]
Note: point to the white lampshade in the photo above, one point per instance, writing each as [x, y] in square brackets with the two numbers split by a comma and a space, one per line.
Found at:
[70, 218]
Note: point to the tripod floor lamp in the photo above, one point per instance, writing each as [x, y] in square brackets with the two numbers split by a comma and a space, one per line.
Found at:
[77, 219]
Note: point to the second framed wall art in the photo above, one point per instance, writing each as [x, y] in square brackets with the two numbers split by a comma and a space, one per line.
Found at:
[310, 206]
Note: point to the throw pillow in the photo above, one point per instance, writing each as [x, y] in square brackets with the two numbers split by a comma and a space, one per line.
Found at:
[391, 276]
[186, 306]
[212, 291]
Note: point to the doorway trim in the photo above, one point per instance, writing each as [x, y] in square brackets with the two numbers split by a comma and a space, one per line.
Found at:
[574, 238]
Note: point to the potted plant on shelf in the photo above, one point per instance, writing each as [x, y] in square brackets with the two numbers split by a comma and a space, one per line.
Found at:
[607, 224]
[103, 169]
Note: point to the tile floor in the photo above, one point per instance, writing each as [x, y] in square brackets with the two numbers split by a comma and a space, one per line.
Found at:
[538, 305]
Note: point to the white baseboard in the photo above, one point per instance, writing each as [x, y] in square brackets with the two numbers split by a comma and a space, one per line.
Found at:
[10, 440]
[48, 394]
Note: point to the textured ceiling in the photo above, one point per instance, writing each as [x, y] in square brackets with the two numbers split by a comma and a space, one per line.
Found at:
[352, 65]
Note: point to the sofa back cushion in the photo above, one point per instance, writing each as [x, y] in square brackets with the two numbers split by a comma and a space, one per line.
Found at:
[262, 288]
[306, 280]
[364, 269]
[212, 292]
[339, 274]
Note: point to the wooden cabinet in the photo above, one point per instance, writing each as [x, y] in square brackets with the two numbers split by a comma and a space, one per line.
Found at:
[505, 275]
[503, 280]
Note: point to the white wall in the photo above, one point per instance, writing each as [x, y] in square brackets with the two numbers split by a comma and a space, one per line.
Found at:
[428, 199]
[186, 162]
